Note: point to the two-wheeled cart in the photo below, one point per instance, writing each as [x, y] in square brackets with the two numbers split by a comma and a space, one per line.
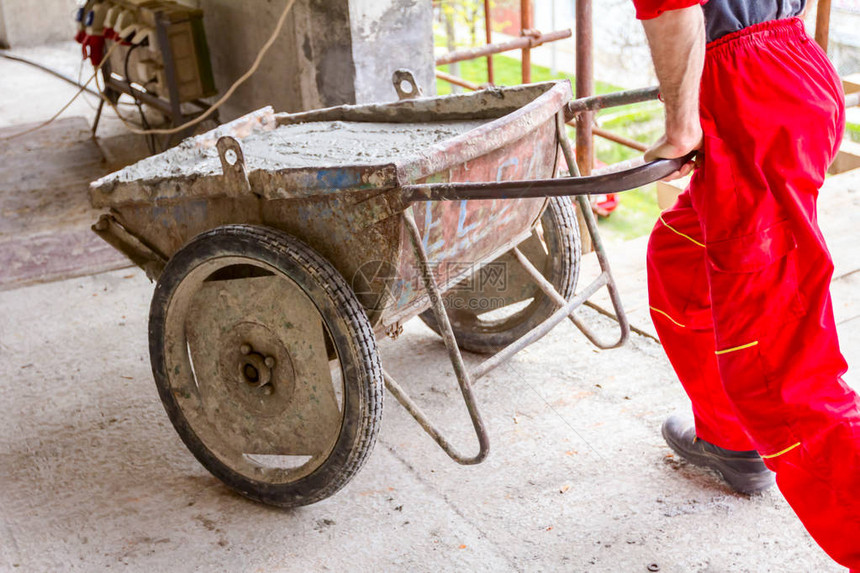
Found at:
[282, 244]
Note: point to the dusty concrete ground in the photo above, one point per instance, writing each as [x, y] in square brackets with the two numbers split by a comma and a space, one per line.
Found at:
[93, 477]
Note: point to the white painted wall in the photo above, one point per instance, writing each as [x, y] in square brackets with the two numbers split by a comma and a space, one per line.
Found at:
[844, 47]
[35, 22]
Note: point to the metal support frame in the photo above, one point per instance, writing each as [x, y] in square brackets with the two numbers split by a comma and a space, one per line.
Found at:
[527, 42]
[526, 25]
[529, 39]
[565, 310]
[822, 24]
[454, 354]
[584, 84]
[488, 31]
[599, 248]
[171, 107]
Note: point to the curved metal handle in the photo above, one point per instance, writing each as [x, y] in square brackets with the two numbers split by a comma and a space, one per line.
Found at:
[637, 176]
[602, 184]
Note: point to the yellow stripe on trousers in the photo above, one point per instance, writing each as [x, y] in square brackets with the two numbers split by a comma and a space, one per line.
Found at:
[785, 451]
[736, 348]
[667, 316]
[677, 232]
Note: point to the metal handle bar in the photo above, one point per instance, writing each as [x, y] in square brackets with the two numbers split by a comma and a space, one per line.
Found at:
[604, 184]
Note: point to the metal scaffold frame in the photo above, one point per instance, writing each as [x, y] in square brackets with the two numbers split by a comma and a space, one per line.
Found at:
[583, 119]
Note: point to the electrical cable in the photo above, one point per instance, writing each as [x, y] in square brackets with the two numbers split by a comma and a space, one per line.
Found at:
[82, 89]
[46, 69]
[80, 79]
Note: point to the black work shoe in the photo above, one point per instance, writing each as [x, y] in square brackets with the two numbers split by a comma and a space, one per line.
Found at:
[745, 472]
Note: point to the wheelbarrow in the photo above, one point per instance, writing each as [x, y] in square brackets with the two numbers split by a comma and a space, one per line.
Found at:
[283, 244]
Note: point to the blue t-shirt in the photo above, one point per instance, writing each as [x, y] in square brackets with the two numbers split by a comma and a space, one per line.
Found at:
[726, 16]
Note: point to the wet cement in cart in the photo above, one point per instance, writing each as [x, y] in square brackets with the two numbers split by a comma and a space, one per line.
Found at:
[303, 145]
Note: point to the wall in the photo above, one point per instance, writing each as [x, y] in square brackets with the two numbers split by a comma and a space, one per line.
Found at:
[844, 47]
[34, 22]
[235, 32]
[326, 60]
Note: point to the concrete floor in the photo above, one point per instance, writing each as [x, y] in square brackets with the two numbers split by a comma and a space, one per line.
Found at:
[93, 477]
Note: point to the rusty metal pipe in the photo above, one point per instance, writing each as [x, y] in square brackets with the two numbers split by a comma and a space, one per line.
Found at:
[488, 29]
[822, 24]
[584, 84]
[603, 184]
[490, 49]
[595, 103]
[619, 139]
[526, 24]
[457, 81]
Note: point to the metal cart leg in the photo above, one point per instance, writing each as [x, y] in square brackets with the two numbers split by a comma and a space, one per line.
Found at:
[566, 309]
[599, 250]
[454, 354]
[465, 378]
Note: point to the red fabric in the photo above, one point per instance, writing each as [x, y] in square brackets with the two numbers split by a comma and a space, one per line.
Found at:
[94, 49]
[739, 277]
[648, 9]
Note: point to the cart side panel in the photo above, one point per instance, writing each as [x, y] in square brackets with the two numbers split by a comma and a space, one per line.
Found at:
[462, 236]
[346, 229]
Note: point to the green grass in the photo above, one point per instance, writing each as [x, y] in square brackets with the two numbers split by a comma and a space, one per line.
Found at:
[507, 71]
[635, 215]
[852, 131]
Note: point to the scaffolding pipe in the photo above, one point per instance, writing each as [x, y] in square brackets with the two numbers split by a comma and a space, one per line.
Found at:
[619, 139]
[615, 99]
[515, 44]
[584, 85]
[457, 81]
[822, 24]
[526, 25]
[488, 28]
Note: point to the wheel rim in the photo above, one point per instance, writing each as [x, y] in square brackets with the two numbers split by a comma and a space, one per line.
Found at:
[265, 396]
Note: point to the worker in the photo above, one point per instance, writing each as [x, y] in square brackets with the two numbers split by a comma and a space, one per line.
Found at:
[738, 270]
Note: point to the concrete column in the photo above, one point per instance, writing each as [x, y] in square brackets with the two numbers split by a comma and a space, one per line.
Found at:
[388, 35]
[331, 52]
[4, 41]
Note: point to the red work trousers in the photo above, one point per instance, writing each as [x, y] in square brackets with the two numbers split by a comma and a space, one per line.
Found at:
[739, 277]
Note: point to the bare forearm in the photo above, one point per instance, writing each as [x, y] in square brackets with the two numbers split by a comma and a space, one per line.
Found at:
[677, 41]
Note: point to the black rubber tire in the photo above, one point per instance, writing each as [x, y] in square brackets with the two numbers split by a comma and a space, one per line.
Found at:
[351, 334]
[561, 236]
